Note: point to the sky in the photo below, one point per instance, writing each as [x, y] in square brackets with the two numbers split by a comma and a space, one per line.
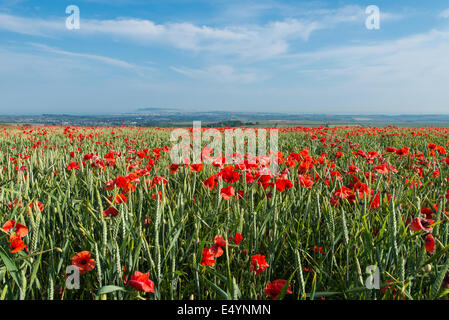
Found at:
[229, 55]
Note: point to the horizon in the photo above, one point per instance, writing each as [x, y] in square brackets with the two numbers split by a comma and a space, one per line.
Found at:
[212, 110]
[143, 113]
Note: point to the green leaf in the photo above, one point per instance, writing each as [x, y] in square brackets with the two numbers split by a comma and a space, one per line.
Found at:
[438, 281]
[218, 290]
[10, 266]
[109, 289]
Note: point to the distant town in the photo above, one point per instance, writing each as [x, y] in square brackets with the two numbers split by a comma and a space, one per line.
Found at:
[171, 118]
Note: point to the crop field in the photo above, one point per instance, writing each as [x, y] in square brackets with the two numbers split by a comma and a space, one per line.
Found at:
[103, 213]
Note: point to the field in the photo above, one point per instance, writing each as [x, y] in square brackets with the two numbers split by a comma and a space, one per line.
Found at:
[136, 226]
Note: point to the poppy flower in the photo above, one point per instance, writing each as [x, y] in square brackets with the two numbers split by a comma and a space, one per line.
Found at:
[282, 184]
[17, 244]
[381, 168]
[274, 288]
[83, 262]
[343, 192]
[258, 264]
[196, 167]
[216, 250]
[121, 182]
[173, 168]
[110, 212]
[238, 238]
[375, 202]
[430, 244]
[403, 151]
[208, 257]
[154, 196]
[141, 282]
[338, 155]
[19, 229]
[72, 166]
[305, 181]
[227, 192]
[229, 175]
[211, 182]
[16, 203]
[421, 224]
[118, 199]
[220, 241]
[428, 212]
[37, 204]
[391, 149]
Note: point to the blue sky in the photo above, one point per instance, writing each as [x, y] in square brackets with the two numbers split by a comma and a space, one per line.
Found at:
[289, 56]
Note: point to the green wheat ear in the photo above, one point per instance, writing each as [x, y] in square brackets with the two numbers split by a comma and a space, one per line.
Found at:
[98, 265]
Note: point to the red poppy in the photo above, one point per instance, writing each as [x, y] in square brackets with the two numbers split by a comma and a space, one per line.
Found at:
[343, 192]
[338, 155]
[220, 241]
[208, 257]
[421, 224]
[274, 288]
[110, 212]
[196, 167]
[432, 146]
[305, 181]
[154, 196]
[430, 244]
[391, 149]
[83, 262]
[173, 168]
[141, 282]
[211, 182]
[72, 166]
[19, 229]
[428, 212]
[403, 151]
[282, 184]
[258, 264]
[229, 175]
[381, 168]
[17, 244]
[238, 238]
[375, 202]
[216, 250]
[37, 204]
[16, 203]
[227, 192]
[120, 198]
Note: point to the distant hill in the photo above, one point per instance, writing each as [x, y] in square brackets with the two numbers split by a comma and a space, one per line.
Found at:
[176, 117]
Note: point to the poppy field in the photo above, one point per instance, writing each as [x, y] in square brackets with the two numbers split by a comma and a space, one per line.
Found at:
[109, 202]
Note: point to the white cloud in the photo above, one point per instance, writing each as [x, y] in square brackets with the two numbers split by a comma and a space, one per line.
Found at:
[30, 26]
[103, 59]
[256, 41]
[248, 41]
[445, 13]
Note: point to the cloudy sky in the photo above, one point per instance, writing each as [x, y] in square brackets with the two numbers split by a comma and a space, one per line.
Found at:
[241, 55]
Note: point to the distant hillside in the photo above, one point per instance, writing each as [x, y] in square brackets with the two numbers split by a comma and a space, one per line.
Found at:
[173, 117]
